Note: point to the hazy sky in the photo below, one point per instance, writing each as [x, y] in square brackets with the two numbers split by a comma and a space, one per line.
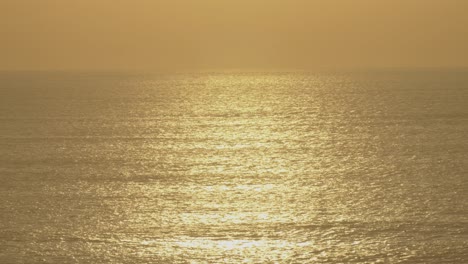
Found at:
[158, 34]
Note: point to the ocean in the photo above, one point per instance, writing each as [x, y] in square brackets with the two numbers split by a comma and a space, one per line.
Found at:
[234, 167]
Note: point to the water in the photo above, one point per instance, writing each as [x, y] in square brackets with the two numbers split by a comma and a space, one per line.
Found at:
[234, 167]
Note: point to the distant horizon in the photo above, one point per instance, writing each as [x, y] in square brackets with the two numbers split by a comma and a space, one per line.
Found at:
[240, 70]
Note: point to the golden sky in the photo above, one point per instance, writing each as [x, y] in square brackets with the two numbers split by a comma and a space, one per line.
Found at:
[161, 34]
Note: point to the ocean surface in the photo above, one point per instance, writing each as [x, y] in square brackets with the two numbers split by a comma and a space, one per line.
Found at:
[234, 167]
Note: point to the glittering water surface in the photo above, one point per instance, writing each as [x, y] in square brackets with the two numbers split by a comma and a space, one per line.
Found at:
[234, 167]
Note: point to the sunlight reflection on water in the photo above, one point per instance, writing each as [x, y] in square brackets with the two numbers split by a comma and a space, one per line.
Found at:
[238, 167]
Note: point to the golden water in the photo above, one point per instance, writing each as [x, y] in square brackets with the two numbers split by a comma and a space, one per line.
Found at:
[234, 167]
